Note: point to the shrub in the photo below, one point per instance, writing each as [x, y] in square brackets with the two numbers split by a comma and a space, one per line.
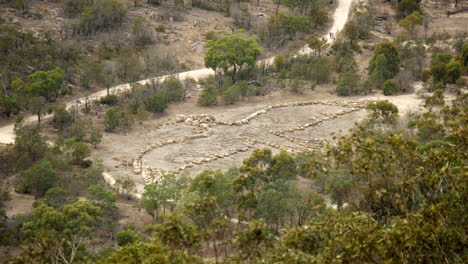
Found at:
[406, 7]
[231, 95]
[297, 87]
[279, 62]
[384, 109]
[390, 88]
[174, 89]
[429, 128]
[127, 236]
[110, 99]
[208, 96]
[157, 103]
[392, 60]
[439, 73]
[38, 179]
[454, 71]
[347, 84]
[426, 75]
[464, 54]
[110, 119]
[441, 57]
[245, 89]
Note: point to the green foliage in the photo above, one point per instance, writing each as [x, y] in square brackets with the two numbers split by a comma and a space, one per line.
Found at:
[48, 84]
[125, 187]
[429, 127]
[352, 31]
[384, 109]
[263, 176]
[62, 118]
[208, 96]
[381, 71]
[390, 88]
[387, 65]
[176, 233]
[57, 197]
[454, 71]
[28, 140]
[254, 241]
[141, 33]
[231, 95]
[436, 99]
[233, 53]
[110, 100]
[128, 236]
[173, 89]
[38, 179]
[102, 198]
[57, 234]
[441, 58]
[411, 22]
[116, 117]
[95, 137]
[214, 184]
[406, 7]
[8, 105]
[80, 152]
[95, 15]
[157, 103]
[296, 87]
[348, 84]
[279, 62]
[163, 195]
[280, 25]
[317, 68]
[111, 120]
[317, 44]
[464, 54]
[151, 251]
[439, 73]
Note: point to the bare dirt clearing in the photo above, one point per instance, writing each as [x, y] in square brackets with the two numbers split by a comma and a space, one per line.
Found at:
[295, 124]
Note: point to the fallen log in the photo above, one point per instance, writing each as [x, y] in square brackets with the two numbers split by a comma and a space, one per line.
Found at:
[457, 11]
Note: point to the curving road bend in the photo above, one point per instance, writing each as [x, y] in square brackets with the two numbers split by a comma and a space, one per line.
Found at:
[340, 17]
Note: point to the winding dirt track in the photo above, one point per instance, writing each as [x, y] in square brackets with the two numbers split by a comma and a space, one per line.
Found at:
[340, 17]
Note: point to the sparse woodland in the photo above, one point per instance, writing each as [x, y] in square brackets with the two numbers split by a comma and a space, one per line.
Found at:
[390, 190]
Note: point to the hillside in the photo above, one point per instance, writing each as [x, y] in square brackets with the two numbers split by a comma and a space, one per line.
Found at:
[319, 131]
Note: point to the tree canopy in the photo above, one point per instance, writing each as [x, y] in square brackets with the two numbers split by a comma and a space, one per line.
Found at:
[234, 52]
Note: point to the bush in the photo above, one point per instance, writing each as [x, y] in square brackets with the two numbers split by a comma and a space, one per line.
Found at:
[428, 128]
[62, 118]
[231, 95]
[407, 7]
[110, 119]
[464, 54]
[454, 71]
[174, 89]
[385, 61]
[297, 87]
[441, 57]
[110, 100]
[347, 84]
[208, 96]
[279, 62]
[38, 179]
[426, 75]
[245, 89]
[390, 88]
[439, 73]
[157, 103]
[384, 109]
[127, 236]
